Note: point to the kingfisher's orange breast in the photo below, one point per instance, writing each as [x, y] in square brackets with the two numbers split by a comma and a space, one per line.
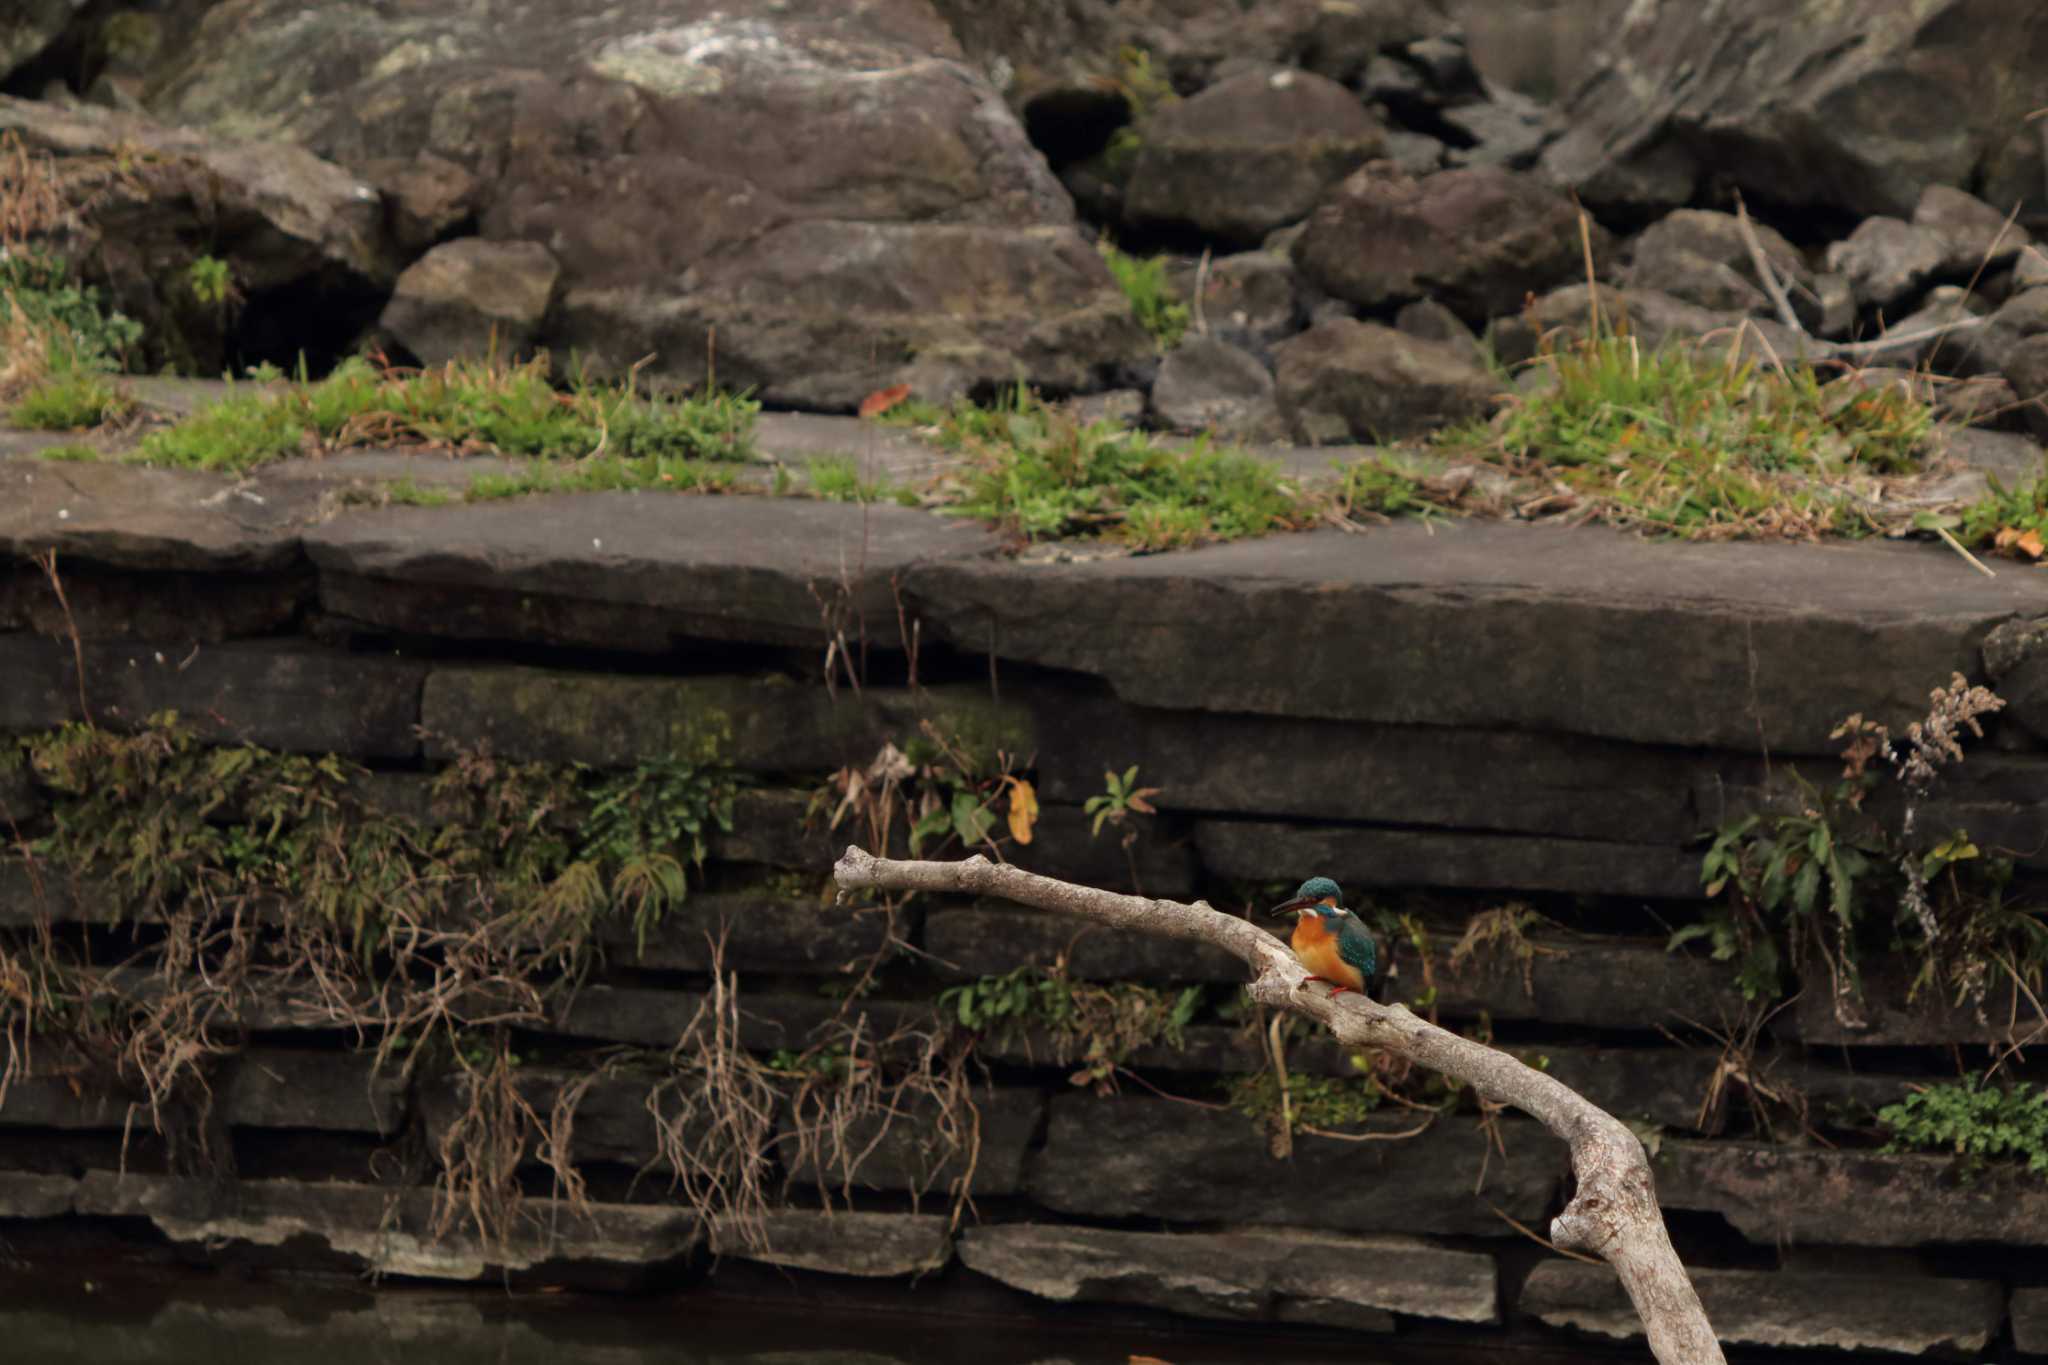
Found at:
[1315, 947]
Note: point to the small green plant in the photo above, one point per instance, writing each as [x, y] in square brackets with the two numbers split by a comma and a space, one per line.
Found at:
[1981, 1124]
[837, 478]
[43, 304]
[1313, 1102]
[1377, 487]
[2014, 522]
[1040, 474]
[1097, 1025]
[1122, 798]
[1159, 309]
[211, 282]
[70, 400]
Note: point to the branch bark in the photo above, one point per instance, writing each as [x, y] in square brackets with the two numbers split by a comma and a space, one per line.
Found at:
[1613, 1214]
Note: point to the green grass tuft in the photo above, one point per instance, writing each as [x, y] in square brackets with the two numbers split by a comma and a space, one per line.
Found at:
[837, 478]
[1040, 474]
[70, 399]
[1159, 310]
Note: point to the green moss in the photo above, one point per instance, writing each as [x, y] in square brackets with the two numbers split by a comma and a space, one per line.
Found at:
[70, 400]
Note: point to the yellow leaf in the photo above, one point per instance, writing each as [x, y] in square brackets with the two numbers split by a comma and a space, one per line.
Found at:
[1023, 809]
[2031, 543]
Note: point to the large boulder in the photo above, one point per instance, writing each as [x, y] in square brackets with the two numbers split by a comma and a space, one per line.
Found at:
[814, 201]
[1889, 261]
[1248, 155]
[1345, 380]
[1701, 256]
[472, 298]
[1476, 239]
[1811, 102]
[1208, 384]
[146, 201]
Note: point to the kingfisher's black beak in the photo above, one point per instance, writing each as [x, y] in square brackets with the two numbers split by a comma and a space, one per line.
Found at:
[1293, 907]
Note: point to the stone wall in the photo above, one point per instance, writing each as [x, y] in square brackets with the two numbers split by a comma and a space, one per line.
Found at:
[1446, 719]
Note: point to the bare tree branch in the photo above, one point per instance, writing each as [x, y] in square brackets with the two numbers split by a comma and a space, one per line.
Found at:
[1613, 1214]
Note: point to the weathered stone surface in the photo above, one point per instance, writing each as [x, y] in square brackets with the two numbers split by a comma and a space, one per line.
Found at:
[1490, 625]
[766, 724]
[1248, 154]
[904, 1154]
[388, 1230]
[32, 26]
[100, 604]
[1250, 299]
[846, 1242]
[2016, 657]
[1208, 384]
[1126, 1158]
[278, 696]
[2030, 1320]
[2026, 369]
[161, 520]
[1477, 239]
[1789, 1309]
[149, 200]
[1345, 380]
[687, 164]
[1888, 260]
[1258, 850]
[20, 803]
[426, 195]
[989, 941]
[760, 931]
[1976, 235]
[472, 298]
[1816, 1196]
[1654, 318]
[776, 570]
[1355, 1282]
[1699, 256]
[26, 1194]
[340, 1092]
[1890, 1013]
[1604, 982]
[1427, 775]
[1812, 103]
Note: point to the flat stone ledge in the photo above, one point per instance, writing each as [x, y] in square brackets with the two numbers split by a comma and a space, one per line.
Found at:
[1493, 625]
[844, 1242]
[1790, 1309]
[387, 1229]
[1815, 1197]
[1257, 1275]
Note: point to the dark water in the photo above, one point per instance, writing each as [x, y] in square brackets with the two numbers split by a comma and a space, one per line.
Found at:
[77, 1322]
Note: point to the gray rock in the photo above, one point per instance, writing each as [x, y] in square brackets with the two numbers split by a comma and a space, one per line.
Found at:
[1208, 384]
[2013, 459]
[1354, 1282]
[2030, 1320]
[1251, 298]
[1416, 154]
[32, 26]
[1263, 851]
[2030, 271]
[1247, 155]
[686, 164]
[630, 572]
[337, 1092]
[765, 724]
[1125, 1158]
[1788, 1309]
[1344, 380]
[760, 931]
[2016, 658]
[427, 196]
[291, 697]
[160, 607]
[846, 1242]
[901, 1155]
[1976, 235]
[1503, 133]
[1808, 103]
[1700, 256]
[1122, 407]
[1835, 300]
[1888, 1011]
[991, 940]
[472, 299]
[387, 1230]
[1431, 321]
[1774, 1195]
[2024, 314]
[1477, 239]
[1889, 261]
[1459, 644]
[1654, 318]
[2026, 369]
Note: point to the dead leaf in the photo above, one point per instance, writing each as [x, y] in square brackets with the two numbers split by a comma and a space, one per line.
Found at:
[1023, 809]
[881, 400]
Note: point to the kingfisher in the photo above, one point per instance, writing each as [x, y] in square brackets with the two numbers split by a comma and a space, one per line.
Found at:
[1330, 941]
